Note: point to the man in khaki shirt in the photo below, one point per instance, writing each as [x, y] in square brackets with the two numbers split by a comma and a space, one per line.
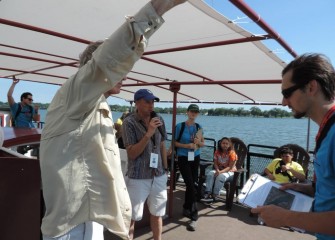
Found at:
[80, 163]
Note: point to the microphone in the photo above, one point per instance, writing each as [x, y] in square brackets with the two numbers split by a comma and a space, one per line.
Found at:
[160, 128]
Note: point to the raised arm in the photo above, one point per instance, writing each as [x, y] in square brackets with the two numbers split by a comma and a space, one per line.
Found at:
[10, 98]
[162, 6]
[297, 174]
[36, 115]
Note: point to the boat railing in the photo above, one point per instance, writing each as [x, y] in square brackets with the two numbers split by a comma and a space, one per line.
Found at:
[207, 151]
[258, 157]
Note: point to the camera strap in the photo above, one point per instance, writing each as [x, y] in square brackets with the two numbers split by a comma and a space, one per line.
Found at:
[281, 163]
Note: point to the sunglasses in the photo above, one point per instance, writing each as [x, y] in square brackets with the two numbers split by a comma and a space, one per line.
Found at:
[287, 93]
[30, 99]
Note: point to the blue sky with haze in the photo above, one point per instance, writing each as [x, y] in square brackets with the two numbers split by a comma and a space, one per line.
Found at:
[306, 25]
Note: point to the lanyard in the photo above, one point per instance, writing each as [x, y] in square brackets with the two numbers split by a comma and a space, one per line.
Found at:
[322, 125]
[153, 140]
[324, 121]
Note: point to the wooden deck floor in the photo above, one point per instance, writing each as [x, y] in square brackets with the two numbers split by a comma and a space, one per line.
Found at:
[216, 223]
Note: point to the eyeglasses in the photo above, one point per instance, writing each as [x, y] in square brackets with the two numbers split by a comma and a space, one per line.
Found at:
[30, 99]
[287, 93]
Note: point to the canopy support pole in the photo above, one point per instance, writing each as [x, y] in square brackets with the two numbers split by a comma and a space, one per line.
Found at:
[174, 87]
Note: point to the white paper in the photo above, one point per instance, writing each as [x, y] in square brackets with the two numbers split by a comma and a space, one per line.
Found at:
[257, 189]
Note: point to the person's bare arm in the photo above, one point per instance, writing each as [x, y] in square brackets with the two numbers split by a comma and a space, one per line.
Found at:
[185, 145]
[275, 216]
[164, 155]
[299, 187]
[269, 174]
[295, 173]
[10, 98]
[162, 6]
[36, 115]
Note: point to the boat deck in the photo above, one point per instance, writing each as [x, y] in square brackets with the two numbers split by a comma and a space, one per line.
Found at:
[217, 223]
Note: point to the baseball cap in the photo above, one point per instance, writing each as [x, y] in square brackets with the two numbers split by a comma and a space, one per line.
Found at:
[146, 94]
[193, 107]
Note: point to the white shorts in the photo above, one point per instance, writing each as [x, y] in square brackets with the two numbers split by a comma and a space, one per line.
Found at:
[86, 231]
[152, 190]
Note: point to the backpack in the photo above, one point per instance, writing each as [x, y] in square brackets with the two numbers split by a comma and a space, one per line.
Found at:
[13, 119]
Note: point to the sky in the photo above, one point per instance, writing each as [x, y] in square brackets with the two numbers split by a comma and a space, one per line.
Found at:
[306, 25]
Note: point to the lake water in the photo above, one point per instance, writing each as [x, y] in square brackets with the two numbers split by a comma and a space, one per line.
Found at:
[264, 131]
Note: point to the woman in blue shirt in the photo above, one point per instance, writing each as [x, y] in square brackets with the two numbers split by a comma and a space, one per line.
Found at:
[188, 143]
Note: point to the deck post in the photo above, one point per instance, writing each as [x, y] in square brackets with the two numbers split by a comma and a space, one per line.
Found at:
[174, 88]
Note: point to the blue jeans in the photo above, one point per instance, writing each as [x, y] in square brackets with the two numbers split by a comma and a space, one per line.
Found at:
[84, 231]
[218, 181]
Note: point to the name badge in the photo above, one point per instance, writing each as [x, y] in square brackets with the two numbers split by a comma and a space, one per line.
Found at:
[154, 160]
[190, 156]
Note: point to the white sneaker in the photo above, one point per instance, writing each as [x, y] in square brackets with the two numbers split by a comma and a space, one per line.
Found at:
[192, 226]
[222, 192]
[180, 179]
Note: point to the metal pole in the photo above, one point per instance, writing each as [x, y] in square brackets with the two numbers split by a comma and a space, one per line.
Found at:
[174, 87]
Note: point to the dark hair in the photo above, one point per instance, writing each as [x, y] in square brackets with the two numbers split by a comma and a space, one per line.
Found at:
[286, 150]
[25, 95]
[86, 55]
[230, 143]
[310, 67]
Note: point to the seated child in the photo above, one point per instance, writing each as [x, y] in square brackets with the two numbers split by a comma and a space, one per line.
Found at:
[224, 167]
[284, 170]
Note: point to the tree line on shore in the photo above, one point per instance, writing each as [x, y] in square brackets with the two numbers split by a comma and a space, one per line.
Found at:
[234, 112]
[238, 112]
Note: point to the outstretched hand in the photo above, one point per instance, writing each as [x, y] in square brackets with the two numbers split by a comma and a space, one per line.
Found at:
[272, 215]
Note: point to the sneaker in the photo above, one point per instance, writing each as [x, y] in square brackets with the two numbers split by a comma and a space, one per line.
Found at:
[206, 199]
[180, 179]
[192, 226]
[222, 192]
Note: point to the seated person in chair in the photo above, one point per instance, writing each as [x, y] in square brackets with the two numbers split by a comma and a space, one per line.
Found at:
[224, 167]
[284, 170]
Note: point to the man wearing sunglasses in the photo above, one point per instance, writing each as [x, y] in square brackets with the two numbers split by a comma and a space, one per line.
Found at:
[308, 88]
[23, 113]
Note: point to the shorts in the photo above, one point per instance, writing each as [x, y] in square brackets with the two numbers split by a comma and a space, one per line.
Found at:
[85, 231]
[152, 190]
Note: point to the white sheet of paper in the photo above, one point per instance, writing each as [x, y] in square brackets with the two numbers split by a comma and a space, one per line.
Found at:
[257, 188]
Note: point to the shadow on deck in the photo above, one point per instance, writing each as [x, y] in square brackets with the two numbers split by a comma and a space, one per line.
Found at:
[216, 223]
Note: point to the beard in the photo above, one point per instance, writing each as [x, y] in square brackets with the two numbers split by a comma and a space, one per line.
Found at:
[299, 115]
